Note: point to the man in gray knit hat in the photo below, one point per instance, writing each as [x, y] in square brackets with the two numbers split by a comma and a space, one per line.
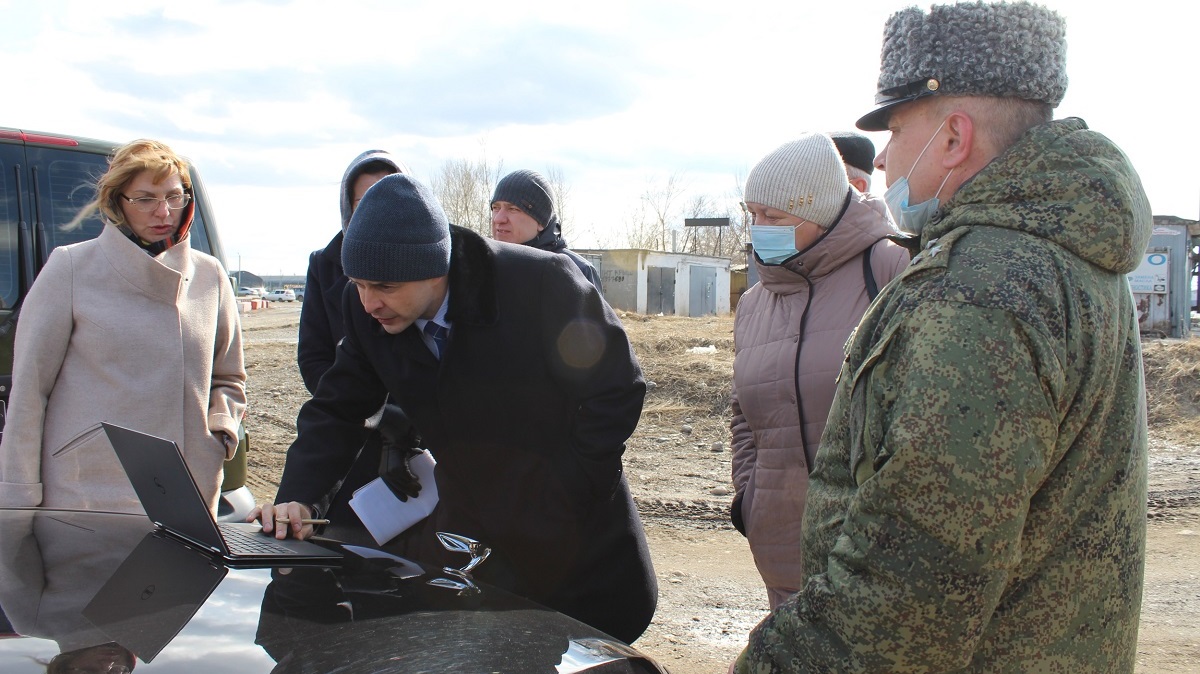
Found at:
[525, 405]
[524, 212]
[978, 502]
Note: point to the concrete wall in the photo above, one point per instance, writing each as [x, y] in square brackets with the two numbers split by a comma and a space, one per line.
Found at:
[623, 272]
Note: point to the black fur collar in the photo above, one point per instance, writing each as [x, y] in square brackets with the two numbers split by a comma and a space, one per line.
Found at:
[472, 278]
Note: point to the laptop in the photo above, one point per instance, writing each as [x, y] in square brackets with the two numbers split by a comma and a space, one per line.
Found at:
[172, 501]
[153, 594]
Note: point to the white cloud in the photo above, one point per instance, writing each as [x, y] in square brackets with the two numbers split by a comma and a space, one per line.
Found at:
[271, 99]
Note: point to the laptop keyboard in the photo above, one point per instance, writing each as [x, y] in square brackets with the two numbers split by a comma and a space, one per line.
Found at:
[240, 542]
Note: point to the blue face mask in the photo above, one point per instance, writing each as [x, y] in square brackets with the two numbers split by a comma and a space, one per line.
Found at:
[773, 244]
[911, 219]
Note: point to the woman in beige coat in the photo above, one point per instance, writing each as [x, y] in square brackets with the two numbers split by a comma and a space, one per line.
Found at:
[811, 233]
[133, 327]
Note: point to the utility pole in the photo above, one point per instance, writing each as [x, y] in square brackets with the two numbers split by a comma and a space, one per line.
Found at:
[239, 272]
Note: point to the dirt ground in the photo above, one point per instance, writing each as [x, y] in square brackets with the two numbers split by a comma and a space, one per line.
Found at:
[678, 467]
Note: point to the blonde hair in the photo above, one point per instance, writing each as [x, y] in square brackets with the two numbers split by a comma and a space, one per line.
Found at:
[124, 165]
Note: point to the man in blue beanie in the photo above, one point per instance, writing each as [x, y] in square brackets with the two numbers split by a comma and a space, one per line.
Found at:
[321, 330]
[978, 501]
[525, 397]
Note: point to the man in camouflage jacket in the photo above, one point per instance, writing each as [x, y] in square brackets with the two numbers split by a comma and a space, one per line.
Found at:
[978, 502]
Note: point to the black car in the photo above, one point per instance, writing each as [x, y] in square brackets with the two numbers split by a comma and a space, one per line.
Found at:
[101, 592]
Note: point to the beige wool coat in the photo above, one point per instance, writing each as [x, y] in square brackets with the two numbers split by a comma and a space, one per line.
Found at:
[109, 333]
[780, 373]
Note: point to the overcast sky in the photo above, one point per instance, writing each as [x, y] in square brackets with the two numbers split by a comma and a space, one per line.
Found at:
[272, 99]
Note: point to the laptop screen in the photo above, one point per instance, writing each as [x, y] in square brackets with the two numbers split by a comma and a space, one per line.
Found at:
[168, 493]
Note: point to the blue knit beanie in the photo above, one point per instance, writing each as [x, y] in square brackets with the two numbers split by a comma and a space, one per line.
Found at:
[398, 233]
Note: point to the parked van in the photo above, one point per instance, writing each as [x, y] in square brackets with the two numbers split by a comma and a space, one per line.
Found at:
[45, 180]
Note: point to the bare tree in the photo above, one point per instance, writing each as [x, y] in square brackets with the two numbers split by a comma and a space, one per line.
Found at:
[559, 192]
[640, 232]
[660, 209]
[663, 208]
[728, 241]
[464, 188]
[716, 241]
[699, 240]
[739, 234]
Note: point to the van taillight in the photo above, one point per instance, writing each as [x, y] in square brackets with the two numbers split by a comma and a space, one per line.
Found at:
[37, 138]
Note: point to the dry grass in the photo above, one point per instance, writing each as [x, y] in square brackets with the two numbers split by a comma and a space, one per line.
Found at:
[684, 382]
[1173, 386]
[687, 383]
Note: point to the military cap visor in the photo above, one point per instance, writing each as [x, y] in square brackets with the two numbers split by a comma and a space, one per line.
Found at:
[877, 119]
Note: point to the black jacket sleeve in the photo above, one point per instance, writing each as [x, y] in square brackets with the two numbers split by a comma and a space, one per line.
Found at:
[591, 357]
[316, 344]
[329, 428]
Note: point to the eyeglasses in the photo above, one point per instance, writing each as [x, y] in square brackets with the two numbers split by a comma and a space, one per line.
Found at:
[150, 204]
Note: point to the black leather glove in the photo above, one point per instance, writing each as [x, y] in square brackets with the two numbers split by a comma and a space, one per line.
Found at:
[396, 428]
[395, 471]
[401, 442]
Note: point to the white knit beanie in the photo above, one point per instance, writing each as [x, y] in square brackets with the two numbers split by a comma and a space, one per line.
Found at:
[805, 177]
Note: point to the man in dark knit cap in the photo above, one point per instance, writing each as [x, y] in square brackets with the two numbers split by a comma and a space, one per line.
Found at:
[526, 399]
[523, 212]
[978, 502]
[858, 153]
[321, 330]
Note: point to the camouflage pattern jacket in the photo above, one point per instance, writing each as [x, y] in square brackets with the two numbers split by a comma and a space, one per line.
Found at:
[978, 503]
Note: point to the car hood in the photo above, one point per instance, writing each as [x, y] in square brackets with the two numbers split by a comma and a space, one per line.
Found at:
[75, 583]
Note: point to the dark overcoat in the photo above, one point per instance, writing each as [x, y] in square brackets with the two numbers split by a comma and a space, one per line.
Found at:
[321, 328]
[527, 415]
[321, 313]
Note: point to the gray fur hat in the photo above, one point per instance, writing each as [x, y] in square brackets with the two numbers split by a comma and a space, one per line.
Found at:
[398, 233]
[1002, 49]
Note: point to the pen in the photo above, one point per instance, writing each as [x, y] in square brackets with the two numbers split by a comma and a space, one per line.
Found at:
[304, 521]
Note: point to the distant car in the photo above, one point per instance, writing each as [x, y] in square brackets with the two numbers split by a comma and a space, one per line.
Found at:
[251, 292]
[281, 295]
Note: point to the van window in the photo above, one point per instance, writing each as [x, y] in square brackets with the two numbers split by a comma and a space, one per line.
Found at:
[72, 187]
[66, 182]
[10, 158]
[199, 233]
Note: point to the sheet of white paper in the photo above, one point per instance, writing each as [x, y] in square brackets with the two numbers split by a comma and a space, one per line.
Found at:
[384, 515]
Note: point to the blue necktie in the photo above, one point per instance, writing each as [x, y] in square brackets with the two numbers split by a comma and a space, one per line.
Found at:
[439, 335]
